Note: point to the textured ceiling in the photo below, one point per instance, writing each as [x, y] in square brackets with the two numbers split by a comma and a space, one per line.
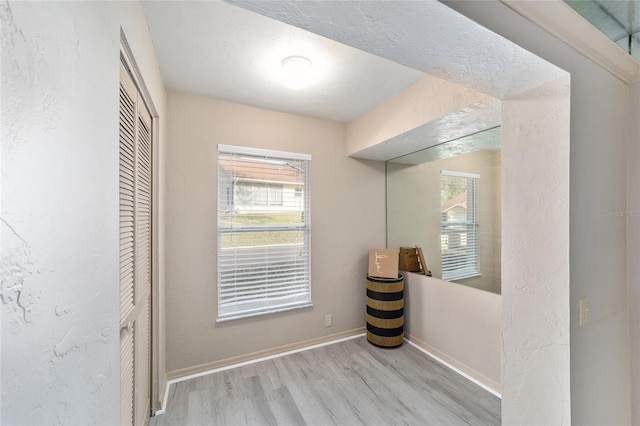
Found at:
[219, 50]
[368, 51]
[424, 35]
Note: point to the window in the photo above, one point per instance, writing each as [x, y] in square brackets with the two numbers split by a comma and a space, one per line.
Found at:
[458, 236]
[252, 193]
[263, 232]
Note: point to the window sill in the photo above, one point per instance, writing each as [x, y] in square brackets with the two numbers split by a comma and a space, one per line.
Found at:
[259, 314]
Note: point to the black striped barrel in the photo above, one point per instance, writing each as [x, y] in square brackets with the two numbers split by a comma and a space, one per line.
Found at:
[385, 311]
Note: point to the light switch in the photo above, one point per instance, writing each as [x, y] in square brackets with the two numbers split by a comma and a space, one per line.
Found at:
[583, 309]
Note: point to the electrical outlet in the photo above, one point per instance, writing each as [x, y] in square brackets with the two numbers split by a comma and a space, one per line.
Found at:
[583, 310]
[327, 320]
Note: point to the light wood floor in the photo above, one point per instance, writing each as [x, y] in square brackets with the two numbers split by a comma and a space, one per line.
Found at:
[347, 383]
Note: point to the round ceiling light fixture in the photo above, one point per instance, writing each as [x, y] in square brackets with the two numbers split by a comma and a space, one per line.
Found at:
[297, 72]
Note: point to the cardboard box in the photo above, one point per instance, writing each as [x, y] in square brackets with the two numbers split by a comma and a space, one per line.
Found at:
[383, 263]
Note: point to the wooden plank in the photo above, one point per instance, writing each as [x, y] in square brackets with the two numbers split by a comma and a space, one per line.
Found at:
[423, 263]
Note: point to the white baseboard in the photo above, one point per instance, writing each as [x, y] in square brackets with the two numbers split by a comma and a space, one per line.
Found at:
[453, 364]
[230, 363]
[240, 361]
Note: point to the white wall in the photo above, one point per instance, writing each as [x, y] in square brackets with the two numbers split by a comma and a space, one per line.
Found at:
[599, 350]
[60, 274]
[459, 324]
[347, 218]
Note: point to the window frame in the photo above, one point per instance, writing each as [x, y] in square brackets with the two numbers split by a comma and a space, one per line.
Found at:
[268, 285]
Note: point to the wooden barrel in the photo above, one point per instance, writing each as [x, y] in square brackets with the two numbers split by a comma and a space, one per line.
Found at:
[385, 311]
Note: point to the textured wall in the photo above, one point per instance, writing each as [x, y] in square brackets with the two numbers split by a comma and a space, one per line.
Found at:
[426, 100]
[60, 292]
[347, 218]
[535, 256]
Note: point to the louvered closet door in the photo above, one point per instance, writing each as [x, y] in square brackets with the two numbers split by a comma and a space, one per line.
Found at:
[135, 254]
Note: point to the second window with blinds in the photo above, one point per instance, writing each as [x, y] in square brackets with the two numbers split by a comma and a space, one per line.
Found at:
[263, 231]
[459, 236]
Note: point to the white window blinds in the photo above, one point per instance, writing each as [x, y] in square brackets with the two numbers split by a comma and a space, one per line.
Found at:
[459, 233]
[263, 231]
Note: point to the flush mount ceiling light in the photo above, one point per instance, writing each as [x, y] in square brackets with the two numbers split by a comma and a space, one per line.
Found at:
[297, 72]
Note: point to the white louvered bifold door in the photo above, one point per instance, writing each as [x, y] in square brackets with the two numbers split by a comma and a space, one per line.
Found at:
[135, 254]
[142, 287]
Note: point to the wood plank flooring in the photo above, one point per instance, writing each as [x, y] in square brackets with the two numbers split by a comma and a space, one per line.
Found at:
[347, 383]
